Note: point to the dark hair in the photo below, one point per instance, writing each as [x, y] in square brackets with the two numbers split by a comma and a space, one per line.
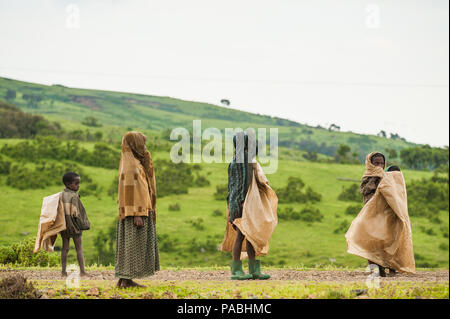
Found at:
[393, 168]
[248, 141]
[69, 177]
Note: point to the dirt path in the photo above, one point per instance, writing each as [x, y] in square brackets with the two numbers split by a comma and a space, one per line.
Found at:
[222, 275]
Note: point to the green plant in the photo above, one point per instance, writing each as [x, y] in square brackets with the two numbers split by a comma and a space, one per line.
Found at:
[21, 254]
[201, 181]
[174, 207]
[293, 192]
[342, 228]
[197, 223]
[350, 193]
[353, 210]
[307, 214]
[217, 213]
[221, 192]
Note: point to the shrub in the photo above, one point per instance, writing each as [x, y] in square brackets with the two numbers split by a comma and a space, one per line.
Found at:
[167, 244]
[293, 192]
[5, 166]
[311, 214]
[104, 243]
[91, 121]
[16, 123]
[217, 213]
[197, 223]
[201, 181]
[209, 245]
[342, 228]
[173, 178]
[307, 214]
[21, 254]
[7, 255]
[47, 174]
[51, 148]
[353, 210]
[174, 207]
[350, 193]
[428, 231]
[221, 192]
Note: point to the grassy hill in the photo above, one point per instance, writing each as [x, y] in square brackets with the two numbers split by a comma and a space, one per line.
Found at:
[189, 236]
[118, 111]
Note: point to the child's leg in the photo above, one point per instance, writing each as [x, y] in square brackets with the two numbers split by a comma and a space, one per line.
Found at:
[250, 250]
[237, 247]
[79, 249]
[64, 252]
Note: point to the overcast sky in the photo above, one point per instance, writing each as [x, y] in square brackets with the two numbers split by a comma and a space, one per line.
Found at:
[363, 65]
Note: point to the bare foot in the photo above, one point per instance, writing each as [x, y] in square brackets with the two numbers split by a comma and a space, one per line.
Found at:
[64, 274]
[135, 284]
[127, 283]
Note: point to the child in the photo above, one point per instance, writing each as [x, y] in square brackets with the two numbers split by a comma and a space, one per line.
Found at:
[76, 220]
[369, 184]
[251, 213]
[393, 168]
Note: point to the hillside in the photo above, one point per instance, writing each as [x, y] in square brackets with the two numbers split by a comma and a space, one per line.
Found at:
[71, 106]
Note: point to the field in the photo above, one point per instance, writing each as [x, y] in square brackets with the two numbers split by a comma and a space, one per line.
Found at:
[307, 259]
[294, 243]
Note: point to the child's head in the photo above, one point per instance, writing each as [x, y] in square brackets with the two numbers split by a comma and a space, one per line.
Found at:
[393, 168]
[72, 181]
[378, 160]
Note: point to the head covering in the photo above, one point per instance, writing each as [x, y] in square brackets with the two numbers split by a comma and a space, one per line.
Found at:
[133, 199]
[372, 170]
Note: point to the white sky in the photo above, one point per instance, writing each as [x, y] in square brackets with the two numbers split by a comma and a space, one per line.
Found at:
[315, 62]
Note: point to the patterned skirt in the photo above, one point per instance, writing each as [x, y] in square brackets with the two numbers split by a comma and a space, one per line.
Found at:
[136, 249]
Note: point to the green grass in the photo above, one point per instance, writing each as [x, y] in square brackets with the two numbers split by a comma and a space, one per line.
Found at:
[207, 289]
[294, 243]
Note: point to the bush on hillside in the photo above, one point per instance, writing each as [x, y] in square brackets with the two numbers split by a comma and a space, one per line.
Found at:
[350, 193]
[14, 123]
[294, 192]
[307, 214]
[221, 192]
[51, 148]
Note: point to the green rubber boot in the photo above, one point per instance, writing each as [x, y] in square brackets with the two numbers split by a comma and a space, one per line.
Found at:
[254, 267]
[237, 273]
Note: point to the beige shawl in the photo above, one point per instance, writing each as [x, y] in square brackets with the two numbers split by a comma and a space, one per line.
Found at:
[381, 232]
[52, 221]
[137, 183]
[259, 216]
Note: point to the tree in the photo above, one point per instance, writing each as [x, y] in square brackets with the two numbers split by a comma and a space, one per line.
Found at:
[10, 95]
[382, 134]
[334, 128]
[344, 155]
[91, 121]
[391, 153]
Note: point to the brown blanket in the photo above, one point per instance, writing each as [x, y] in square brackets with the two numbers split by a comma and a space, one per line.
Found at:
[52, 221]
[259, 216]
[381, 232]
